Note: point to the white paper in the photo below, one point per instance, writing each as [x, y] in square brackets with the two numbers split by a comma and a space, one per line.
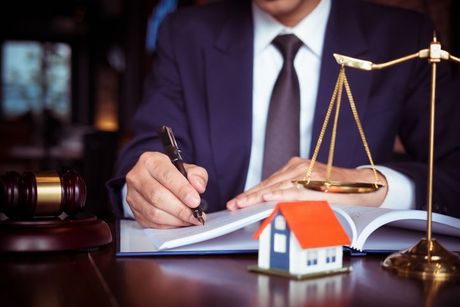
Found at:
[226, 231]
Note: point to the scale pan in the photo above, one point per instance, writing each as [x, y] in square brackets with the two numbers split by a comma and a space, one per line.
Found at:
[339, 186]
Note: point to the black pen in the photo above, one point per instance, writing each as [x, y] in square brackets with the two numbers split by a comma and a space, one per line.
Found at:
[173, 152]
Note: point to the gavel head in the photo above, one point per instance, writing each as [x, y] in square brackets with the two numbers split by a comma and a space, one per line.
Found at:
[41, 194]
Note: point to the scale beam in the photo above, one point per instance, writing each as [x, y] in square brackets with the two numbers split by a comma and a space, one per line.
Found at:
[427, 259]
[433, 54]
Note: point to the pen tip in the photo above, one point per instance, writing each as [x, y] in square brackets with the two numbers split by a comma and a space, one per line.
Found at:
[198, 214]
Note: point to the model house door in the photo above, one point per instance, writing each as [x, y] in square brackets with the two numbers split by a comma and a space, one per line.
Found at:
[279, 244]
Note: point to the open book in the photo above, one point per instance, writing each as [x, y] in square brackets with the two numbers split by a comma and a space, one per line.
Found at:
[369, 229]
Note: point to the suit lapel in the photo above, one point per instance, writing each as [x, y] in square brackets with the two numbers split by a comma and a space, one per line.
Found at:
[229, 89]
[229, 72]
[344, 36]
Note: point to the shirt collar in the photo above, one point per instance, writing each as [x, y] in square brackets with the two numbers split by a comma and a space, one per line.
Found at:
[311, 30]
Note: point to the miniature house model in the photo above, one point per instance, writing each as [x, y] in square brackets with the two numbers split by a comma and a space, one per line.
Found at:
[301, 239]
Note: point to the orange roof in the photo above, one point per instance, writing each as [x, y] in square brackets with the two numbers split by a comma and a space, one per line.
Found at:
[313, 223]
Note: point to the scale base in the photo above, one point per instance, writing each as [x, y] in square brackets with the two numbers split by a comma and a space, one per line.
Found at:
[338, 186]
[427, 260]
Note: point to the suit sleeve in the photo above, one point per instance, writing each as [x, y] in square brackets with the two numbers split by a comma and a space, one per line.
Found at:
[162, 105]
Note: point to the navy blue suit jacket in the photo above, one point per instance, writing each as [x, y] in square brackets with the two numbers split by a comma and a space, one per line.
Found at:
[201, 86]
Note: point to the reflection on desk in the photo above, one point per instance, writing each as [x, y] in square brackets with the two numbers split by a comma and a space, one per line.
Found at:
[330, 289]
[100, 279]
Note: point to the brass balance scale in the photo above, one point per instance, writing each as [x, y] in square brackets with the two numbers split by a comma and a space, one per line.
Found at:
[428, 259]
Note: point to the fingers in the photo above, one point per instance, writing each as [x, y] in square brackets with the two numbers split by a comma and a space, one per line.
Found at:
[281, 179]
[279, 186]
[163, 171]
[294, 168]
[197, 176]
[150, 216]
[293, 194]
[159, 195]
[349, 199]
[257, 196]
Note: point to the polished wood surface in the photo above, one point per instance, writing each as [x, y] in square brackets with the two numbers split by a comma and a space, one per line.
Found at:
[77, 233]
[98, 278]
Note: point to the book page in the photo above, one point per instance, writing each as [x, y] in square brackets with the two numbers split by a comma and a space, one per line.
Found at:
[133, 239]
[366, 227]
[237, 241]
[347, 223]
[369, 219]
[217, 224]
[389, 239]
[134, 242]
[441, 224]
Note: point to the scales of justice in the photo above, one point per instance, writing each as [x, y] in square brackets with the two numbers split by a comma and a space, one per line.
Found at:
[428, 259]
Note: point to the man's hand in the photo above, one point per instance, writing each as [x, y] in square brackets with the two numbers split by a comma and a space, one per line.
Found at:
[160, 196]
[279, 186]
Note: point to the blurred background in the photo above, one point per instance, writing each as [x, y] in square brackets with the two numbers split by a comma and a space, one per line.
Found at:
[72, 74]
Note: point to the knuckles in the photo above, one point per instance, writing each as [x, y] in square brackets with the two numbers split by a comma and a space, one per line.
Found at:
[154, 196]
[295, 160]
[183, 191]
[148, 215]
[184, 214]
[151, 160]
[130, 177]
[200, 171]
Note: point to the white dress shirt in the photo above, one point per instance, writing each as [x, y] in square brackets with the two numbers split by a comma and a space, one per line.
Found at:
[267, 65]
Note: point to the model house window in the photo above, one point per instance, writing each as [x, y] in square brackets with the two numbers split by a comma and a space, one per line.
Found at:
[312, 258]
[279, 245]
[330, 255]
[280, 223]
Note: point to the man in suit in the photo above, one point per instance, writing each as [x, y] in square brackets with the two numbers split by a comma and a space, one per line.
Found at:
[214, 71]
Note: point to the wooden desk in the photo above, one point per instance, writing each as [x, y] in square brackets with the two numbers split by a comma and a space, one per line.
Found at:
[100, 279]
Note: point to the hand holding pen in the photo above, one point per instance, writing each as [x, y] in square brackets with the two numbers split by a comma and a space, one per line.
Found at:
[173, 152]
[160, 196]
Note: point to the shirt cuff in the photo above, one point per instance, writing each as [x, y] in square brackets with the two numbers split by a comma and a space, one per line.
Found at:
[401, 189]
[127, 212]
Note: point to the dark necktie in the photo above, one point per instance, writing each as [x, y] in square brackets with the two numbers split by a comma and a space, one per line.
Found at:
[282, 134]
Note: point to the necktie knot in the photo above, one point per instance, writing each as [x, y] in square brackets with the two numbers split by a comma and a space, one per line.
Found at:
[288, 45]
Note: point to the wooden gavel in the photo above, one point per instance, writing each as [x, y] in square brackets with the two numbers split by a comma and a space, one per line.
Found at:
[41, 194]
